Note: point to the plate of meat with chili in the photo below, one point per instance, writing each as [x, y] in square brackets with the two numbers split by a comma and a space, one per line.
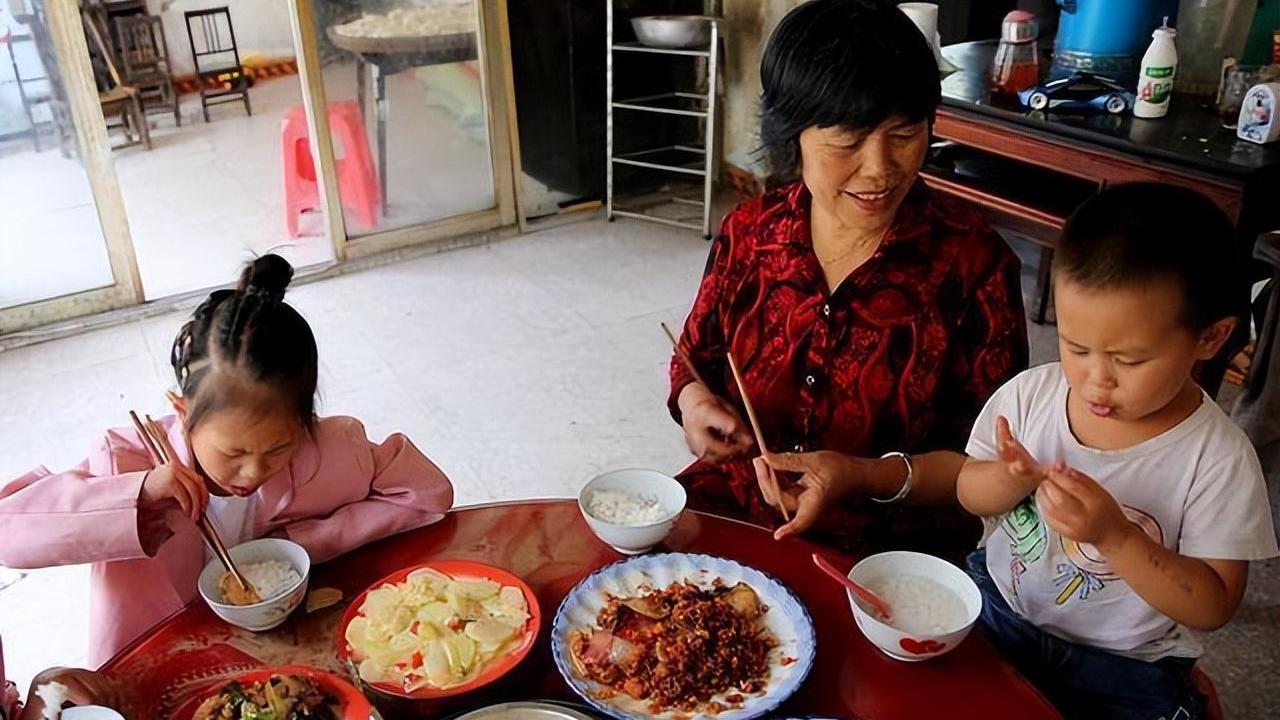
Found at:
[680, 635]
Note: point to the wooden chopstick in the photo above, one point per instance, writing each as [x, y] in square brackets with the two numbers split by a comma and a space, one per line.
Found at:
[152, 449]
[162, 451]
[684, 357]
[755, 427]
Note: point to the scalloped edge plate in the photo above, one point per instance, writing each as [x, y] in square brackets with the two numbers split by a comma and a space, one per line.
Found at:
[787, 618]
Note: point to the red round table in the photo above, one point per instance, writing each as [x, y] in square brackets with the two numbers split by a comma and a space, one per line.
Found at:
[549, 545]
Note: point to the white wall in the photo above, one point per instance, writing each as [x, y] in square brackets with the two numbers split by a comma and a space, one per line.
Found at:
[262, 27]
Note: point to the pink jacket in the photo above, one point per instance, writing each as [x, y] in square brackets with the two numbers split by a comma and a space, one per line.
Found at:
[340, 491]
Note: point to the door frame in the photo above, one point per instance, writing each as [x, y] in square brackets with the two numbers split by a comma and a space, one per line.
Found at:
[69, 46]
[500, 123]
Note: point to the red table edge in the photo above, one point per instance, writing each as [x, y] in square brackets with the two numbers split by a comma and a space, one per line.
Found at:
[128, 649]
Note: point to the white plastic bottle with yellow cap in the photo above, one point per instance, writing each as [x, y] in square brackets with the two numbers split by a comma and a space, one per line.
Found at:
[1155, 79]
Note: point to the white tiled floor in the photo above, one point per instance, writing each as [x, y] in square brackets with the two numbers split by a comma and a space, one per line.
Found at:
[522, 367]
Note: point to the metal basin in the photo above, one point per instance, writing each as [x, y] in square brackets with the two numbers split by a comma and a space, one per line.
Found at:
[673, 31]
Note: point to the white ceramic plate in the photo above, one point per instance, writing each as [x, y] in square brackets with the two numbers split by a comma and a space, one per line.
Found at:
[786, 618]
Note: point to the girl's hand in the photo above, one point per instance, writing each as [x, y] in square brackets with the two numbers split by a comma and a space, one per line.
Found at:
[84, 687]
[1080, 509]
[712, 428]
[173, 483]
[825, 477]
[1018, 463]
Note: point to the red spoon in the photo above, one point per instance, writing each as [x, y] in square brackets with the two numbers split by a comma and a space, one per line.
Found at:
[880, 606]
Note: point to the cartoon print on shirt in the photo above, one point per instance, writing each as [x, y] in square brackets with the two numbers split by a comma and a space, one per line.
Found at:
[1028, 537]
[1088, 571]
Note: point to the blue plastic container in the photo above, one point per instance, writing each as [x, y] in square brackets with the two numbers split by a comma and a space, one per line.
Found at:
[1108, 37]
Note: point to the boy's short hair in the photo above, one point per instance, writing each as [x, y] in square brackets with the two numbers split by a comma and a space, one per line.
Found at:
[1139, 232]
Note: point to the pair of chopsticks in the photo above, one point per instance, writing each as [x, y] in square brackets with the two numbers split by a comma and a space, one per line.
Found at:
[746, 401]
[162, 452]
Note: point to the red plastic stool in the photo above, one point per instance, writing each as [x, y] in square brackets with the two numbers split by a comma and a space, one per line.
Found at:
[1203, 683]
[357, 181]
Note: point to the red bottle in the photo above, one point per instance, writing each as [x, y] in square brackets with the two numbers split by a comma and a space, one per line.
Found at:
[1016, 66]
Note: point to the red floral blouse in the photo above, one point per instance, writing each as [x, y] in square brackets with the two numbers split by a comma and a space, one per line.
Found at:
[901, 356]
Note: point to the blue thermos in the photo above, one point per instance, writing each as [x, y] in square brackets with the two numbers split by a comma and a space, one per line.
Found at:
[1108, 37]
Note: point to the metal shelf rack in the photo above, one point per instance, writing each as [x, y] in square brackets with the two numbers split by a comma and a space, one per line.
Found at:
[685, 161]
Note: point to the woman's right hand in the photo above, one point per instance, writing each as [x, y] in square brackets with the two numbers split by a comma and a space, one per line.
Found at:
[712, 428]
[174, 483]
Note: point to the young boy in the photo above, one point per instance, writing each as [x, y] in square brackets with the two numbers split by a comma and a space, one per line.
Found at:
[1122, 504]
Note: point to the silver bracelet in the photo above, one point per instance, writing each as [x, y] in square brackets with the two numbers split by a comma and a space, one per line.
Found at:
[905, 490]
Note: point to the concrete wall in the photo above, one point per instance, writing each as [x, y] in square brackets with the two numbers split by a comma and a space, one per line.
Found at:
[747, 26]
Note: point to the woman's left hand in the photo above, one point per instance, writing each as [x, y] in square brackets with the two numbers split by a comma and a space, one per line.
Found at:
[825, 477]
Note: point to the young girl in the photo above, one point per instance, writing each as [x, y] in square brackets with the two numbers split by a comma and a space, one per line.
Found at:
[252, 453]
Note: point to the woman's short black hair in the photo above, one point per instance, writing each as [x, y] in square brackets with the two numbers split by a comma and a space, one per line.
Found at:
[848, 63]
[1140, 232]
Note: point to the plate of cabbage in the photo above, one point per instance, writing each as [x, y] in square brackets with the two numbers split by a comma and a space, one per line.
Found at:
[440, 628]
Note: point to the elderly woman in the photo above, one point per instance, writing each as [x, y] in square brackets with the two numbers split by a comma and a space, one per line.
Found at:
[870, 317]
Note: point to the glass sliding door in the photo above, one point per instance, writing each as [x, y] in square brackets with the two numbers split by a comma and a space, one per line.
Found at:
[64, 246]
[416, 105]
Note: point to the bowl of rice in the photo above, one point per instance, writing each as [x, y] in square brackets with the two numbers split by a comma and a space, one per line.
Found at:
[934, 604]
[632, 510]
[278, 571]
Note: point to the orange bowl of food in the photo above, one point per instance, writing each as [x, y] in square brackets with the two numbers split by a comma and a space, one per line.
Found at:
[284, 691]
[439, 629]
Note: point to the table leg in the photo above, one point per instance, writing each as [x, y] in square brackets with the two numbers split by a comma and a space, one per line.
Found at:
[1044, 286]
[381, 90]
[362, 70]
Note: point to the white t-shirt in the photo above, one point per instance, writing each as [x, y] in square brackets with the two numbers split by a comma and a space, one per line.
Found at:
[1197, 488]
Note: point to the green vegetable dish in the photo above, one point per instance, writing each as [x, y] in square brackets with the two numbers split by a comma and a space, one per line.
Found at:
[280, 697]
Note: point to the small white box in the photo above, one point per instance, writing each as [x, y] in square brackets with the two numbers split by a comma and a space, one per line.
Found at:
[1258, 122]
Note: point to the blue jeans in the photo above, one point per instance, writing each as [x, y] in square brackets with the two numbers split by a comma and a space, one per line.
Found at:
[1083, 682]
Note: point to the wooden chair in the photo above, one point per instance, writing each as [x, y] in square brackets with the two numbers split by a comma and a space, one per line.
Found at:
[144, 52]
[217, 58]
[118, 100]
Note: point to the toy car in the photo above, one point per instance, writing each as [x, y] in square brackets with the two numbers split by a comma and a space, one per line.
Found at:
[1081, 91]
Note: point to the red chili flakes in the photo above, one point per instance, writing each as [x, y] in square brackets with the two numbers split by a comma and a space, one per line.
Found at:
[698, 648]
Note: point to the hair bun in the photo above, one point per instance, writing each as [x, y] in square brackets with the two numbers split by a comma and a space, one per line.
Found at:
[268, 275]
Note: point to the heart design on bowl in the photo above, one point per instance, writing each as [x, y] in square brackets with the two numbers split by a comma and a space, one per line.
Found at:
[921, 647]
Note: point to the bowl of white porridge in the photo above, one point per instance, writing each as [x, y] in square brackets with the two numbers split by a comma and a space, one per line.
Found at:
[277, 570]
[934, 604]
[632, 510]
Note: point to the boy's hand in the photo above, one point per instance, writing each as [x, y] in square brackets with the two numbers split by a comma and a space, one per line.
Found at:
[174, 483]
[1080, 509]
[84, 688]
[1017, 462]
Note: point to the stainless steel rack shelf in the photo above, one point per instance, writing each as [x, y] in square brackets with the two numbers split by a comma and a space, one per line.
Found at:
[679, 159]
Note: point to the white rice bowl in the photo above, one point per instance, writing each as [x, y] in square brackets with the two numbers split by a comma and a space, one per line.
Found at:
[274, 610]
